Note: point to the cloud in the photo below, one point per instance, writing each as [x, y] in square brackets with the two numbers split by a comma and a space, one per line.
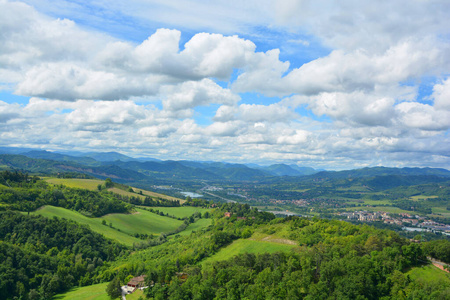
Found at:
[352, 25]
[191, 94]
[441, 95]
[423, 116]
[358, 100]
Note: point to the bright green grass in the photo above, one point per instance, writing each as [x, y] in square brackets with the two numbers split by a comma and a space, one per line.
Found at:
[89, 184]
[429, 273]
[182, 211]
[247, 246]
[92, 292]
[94, 223]
[199, 225]
[142, 222]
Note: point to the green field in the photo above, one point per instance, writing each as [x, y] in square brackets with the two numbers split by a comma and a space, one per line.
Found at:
[157, 195]
[125, 193]
[429, 273]
[248, 246]
[182, 211]
[94, 223]
[142, 222]
[92, 292]
[89, 184]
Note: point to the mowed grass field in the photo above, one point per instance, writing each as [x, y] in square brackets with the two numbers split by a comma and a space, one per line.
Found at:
[89, 184]
[125, 225]
[92, 292]
[182, 211]
[94, 223]
[142, 222]
[248, 246]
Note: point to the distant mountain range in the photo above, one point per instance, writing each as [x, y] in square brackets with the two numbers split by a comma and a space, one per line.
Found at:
[123, 168]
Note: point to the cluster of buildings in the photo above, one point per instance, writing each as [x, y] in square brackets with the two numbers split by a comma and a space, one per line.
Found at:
[398, 219]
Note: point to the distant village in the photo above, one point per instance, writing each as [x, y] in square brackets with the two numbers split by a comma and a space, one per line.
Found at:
[408, 221]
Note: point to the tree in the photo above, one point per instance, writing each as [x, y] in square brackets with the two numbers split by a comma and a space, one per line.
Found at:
[108, 183]
[113, 289]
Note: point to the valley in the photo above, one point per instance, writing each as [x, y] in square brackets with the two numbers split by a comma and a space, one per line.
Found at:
[149, 228]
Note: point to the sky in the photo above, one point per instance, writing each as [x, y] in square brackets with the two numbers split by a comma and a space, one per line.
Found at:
[325, 84]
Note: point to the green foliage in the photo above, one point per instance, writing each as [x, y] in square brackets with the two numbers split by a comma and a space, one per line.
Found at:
[438, 249]
[42, 256]
[113, 289]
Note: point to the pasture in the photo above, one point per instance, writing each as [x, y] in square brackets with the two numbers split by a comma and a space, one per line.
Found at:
[94, 223]
[182, 211]
[248, 246]
[89, 184]
[142, 222]
[429, 273]
[91, 292]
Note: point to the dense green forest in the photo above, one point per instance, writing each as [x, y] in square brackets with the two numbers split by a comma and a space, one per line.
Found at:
[41, 256]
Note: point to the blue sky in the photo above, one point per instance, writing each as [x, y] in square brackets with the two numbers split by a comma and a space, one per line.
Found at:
[334, 86]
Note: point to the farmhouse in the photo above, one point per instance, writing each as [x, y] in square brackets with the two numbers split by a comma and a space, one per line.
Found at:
[135, 283]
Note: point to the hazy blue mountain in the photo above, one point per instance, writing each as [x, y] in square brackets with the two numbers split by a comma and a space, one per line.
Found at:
[305, 170]
[14, 150]
[108, 156]
[166, 170]
[60, 157]
[288, 170]
[382, 171]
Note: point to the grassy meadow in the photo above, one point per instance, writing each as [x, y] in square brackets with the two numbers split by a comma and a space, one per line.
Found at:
[248, 246]
[429, 273]
[94, 223]
[182, 211]
[92, 292]
[89, 184]
[142, 222]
